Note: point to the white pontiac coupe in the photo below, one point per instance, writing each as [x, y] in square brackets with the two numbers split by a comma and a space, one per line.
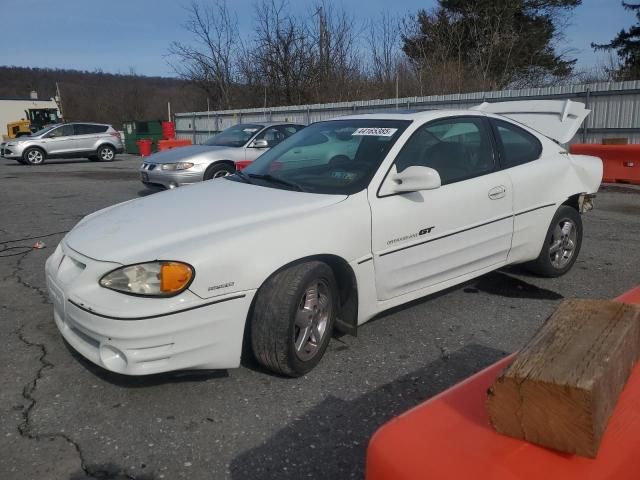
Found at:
[344, 219]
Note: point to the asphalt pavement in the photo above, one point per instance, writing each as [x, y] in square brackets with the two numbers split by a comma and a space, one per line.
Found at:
[64, 418]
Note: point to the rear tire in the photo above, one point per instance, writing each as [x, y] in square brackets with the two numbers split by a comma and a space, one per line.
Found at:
[34, 156]
[561, 245]
[218, 170]
[106, 153]
[293, 317]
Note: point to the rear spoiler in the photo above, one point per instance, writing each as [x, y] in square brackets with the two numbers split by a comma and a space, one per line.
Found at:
[559, 120]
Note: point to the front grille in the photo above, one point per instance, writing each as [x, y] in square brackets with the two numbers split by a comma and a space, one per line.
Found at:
[148, 166]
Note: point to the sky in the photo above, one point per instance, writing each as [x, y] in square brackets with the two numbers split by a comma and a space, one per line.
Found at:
[123, 35]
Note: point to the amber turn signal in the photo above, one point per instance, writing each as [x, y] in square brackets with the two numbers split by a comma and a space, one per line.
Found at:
[174, 276]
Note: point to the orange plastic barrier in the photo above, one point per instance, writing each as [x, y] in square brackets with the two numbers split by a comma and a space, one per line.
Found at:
[621, 162]
[449, 437]
[173, 143]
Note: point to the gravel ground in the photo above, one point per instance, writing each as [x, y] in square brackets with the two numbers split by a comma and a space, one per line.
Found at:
[61, 417]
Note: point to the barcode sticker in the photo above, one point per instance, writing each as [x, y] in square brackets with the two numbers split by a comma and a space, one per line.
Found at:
[375, 131]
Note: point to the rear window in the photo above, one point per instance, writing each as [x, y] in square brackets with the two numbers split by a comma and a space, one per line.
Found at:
[518, 145]
[86, 129]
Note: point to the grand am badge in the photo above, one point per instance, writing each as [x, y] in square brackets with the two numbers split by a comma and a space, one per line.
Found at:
[424, 231]
[222, 285]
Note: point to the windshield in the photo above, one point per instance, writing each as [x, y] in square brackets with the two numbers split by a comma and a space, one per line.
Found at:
[235, 136]
[336, 157]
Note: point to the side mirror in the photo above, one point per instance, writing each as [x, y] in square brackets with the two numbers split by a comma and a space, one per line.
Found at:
[411, 179]
[261, 143]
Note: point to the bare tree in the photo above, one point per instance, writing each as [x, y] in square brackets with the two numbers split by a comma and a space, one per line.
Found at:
[210, 63]
[384, 45]
[284, 54]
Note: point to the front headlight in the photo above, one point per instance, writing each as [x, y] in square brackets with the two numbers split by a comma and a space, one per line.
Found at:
[177, 166]
[158, 279]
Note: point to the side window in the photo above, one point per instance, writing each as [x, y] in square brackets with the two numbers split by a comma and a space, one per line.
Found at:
[63, 131]
[67, 130]
[518, 145]
[82, 129]
[289, 130]
[458, 148]
[273, 136]
[87, 129]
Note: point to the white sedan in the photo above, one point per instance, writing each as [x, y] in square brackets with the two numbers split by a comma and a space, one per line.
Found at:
[345, 219]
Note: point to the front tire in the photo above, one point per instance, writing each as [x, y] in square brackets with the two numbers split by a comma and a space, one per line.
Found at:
[562, 244]
[293, 317]
[106, 153]
[34, 156]
[218, 170]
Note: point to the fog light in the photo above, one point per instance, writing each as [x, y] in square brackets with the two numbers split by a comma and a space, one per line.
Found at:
[113, 359]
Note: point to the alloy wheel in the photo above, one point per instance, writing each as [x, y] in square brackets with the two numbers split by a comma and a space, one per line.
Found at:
[35, 157]
[312, 319]
[563, 243]
[106, 154]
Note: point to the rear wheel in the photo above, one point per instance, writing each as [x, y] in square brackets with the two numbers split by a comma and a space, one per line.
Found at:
[218, 170]
[106, 153]
[562, 244]
[293, 318]
[34, 156]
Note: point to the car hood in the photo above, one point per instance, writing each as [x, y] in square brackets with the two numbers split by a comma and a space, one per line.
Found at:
[183, 153]
[168, 224]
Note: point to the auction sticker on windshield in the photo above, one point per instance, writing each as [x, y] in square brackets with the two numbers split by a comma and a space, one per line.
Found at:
[375, 131]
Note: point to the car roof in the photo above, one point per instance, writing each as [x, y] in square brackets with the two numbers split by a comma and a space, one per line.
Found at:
[410, 115]
[270, 124]
[87, 123]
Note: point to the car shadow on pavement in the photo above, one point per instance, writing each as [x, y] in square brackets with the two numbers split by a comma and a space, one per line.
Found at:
[143, 381]
[149, 191]
[330, 440]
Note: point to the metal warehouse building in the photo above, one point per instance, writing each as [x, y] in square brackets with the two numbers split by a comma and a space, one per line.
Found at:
[615, 110]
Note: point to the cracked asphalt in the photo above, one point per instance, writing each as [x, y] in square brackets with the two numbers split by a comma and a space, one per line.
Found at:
[63, 418]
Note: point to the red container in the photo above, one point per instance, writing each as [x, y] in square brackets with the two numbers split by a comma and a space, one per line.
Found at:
[144, 147]
[168, 130]
[621, 163]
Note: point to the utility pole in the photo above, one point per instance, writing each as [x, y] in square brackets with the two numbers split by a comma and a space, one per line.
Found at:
[208, 124]
[59, 100]
[323, 41]
[397, 90]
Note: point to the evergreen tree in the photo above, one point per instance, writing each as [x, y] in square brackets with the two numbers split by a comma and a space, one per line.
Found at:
[499, 42]
[627, 46]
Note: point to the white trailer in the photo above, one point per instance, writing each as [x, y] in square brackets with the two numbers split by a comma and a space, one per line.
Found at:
[13, 109]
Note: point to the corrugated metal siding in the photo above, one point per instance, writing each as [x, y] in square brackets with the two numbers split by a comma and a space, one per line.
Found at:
[615, 110]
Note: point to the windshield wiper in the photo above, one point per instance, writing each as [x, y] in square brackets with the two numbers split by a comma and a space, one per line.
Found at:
[245, 178]
[270, 178]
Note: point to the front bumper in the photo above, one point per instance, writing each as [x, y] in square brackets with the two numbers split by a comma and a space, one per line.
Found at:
[12, 152]
[206, 334]
[152, 174]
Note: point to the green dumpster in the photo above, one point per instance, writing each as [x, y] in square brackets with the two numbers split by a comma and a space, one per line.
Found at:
[135, 130]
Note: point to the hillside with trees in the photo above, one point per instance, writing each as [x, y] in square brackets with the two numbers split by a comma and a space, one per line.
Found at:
[104, 97]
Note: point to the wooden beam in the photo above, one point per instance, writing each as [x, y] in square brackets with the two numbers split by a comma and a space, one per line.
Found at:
[564, 384]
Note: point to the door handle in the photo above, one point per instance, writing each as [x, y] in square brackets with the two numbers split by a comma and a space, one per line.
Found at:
[497, 192]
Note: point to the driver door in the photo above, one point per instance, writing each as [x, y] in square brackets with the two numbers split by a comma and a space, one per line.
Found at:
[422, 239]
[60, 140]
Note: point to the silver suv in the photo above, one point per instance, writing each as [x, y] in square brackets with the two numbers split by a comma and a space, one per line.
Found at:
[95, 141]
